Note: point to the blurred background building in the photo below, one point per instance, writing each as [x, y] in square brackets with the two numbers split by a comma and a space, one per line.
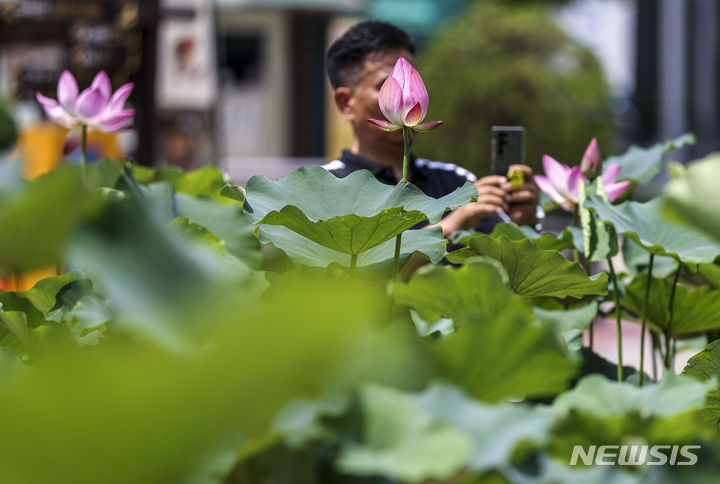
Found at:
[241, 83]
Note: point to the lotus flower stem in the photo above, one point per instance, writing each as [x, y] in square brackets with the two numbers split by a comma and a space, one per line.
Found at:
[656, 350]
[644, 320]
[668, 330]
[396, 260]
[353, 265]
[616, 296]
[406, 152]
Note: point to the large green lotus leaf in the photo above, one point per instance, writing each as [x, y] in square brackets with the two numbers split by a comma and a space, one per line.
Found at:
[509, 356]
[636, 260]
[402, 440]
[373, 263]
[495, 430]
[84, 312]
[320, 195]
[547, 241]
[198, 234]
[535, 272]
[693, 309]
[230, 387]
[598, 411]
[478, 287]
[37, 222]
[642, 164]
[645, 224]
[43, 295]
[569, 323]
[705, 366]
[597, 396]
[14, 332]
[348, 214]
[694, 199]
[349, 234]
[498, 349]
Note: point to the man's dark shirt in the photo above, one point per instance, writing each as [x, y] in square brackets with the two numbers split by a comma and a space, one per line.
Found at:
[436, 179]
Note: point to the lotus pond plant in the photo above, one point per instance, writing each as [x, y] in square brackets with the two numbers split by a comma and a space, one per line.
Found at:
[286, 369]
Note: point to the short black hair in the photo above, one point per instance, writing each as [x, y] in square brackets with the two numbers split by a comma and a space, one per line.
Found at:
[346, 55]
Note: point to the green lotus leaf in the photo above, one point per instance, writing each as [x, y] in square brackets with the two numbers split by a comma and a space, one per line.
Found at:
[636, 260]
[547, 241]
[85, 313]
[478, 287]
[14, 332]
[694, 199]
[510, 356]
[375, 263]
[37, 221]
[535, 272]
[693, 309]
[350, 214]
[705, 366]
[642, 164]
[569, 323]
[402, 440]
[495, 430]
[228, 222]
[196, 233]
[644, 223]
[597, 411]
[596, 395]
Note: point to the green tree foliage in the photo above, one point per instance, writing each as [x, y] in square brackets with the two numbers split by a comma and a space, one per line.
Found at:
[509, 64]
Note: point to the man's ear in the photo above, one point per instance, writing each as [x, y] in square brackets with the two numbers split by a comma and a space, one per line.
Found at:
[344, 101]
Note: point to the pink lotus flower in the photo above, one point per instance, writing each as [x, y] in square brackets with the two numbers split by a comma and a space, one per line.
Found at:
[404, 100]
[95, 107]
[560, 182]
[591, 164]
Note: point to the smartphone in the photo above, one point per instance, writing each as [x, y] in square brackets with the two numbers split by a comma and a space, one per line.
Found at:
[507, 148]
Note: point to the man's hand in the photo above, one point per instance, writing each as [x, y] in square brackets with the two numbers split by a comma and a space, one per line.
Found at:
[492, 199]
[523, 200]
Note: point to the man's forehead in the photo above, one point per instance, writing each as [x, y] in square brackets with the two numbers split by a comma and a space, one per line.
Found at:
[384, 61]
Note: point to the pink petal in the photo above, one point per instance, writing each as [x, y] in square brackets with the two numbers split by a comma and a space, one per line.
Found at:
[390, 100]
[614, 190]
[102, 82]
[414, 116]
[611, 174]
[557, 173]
[54, 111]
[117, 102]
[428, 126]
[384, 125]
[67, 90]
[116, 121]
[546, 186]
[91, 103]
[418, 92]
[573, 181]
[399, 71]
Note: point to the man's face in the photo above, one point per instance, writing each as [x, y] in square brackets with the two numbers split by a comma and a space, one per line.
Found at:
[363, 101]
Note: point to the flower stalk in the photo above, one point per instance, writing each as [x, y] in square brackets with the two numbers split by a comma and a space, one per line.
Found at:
[668, 330]
[618, 319]
[644, 320]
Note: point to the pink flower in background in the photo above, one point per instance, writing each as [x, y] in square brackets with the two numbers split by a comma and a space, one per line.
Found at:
[591, 164]
[404, 100]
[96, 107]
[560, 182]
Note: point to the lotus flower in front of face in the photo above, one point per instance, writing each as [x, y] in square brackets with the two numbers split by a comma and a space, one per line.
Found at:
[96, 107]
[560, 182]
[403, 99]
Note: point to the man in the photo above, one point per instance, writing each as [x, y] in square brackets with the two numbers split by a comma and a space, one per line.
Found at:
[358, 63]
